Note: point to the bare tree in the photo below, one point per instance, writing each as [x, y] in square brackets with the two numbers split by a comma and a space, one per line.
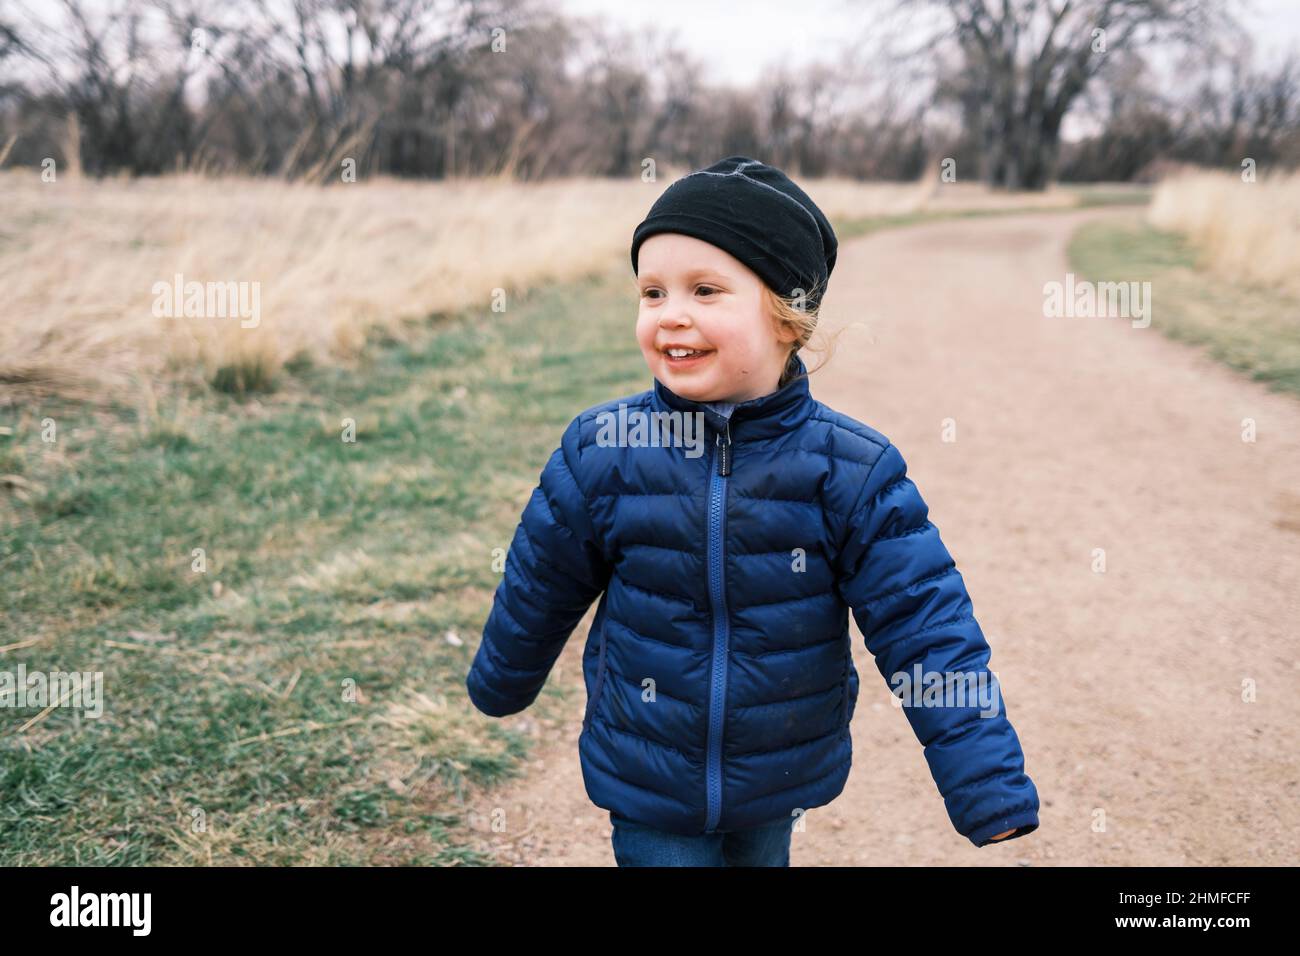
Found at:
[1022, 64]
[1237, 110]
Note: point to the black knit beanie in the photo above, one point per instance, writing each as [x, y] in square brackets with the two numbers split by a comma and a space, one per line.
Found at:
[756, 213]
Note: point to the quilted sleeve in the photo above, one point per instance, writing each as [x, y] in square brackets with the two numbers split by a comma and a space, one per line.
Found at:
[554, 569]
[911, 604]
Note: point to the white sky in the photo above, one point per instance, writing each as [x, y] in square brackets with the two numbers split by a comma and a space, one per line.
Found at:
[738, 41]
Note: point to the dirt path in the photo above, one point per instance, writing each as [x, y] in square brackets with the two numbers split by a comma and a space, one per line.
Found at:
[1124, 686]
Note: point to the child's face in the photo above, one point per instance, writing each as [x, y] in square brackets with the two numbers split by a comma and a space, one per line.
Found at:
[700, 297]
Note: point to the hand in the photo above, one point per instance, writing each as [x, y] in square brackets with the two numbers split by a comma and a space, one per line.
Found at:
[1006, 834]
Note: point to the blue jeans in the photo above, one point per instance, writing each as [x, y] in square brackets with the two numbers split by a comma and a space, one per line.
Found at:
[638, 845]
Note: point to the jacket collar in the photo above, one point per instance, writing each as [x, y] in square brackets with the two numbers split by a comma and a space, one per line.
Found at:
[762, 417]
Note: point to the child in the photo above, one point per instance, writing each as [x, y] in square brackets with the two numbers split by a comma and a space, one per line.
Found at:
[718, 669]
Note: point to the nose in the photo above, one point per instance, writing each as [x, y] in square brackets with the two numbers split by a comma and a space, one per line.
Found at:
[673, 315]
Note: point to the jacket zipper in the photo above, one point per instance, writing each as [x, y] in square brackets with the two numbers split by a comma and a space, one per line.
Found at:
[721, 635]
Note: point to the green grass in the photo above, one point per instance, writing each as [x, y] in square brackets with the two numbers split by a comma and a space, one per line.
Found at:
[1248, 328]
[329, 565]
[1110, 194]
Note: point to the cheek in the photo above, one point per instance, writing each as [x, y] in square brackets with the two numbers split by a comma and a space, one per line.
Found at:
[739, 349]
[723, 338]
[645, 332]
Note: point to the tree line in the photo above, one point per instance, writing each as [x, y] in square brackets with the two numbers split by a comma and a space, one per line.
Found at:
[438, 88]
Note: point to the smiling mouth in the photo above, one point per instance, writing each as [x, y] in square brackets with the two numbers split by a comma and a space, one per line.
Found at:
[679, 355]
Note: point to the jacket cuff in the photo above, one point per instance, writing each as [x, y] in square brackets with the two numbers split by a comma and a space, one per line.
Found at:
[493, 704]
[1023, 822]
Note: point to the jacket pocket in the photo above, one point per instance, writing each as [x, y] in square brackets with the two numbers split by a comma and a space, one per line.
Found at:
[594, 699]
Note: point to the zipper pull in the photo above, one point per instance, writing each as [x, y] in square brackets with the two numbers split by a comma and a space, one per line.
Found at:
[724, 452]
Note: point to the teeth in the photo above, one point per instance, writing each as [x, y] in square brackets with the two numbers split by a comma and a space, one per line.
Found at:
[682, 353]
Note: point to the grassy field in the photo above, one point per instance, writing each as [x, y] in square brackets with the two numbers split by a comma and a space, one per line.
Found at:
[1243, 230]
[328, 562]
[1251, 326]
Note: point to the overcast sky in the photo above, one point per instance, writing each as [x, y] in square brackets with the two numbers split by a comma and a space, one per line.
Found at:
[738, 41]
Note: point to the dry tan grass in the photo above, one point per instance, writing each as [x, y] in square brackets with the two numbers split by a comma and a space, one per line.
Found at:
[331, 262]
[1247, 231]
[81, 259]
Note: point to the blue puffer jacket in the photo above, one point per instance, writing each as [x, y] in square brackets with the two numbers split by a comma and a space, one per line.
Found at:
[718, 669]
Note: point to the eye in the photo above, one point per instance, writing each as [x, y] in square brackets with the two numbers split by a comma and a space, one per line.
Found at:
[646, 293]
[710, 289]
